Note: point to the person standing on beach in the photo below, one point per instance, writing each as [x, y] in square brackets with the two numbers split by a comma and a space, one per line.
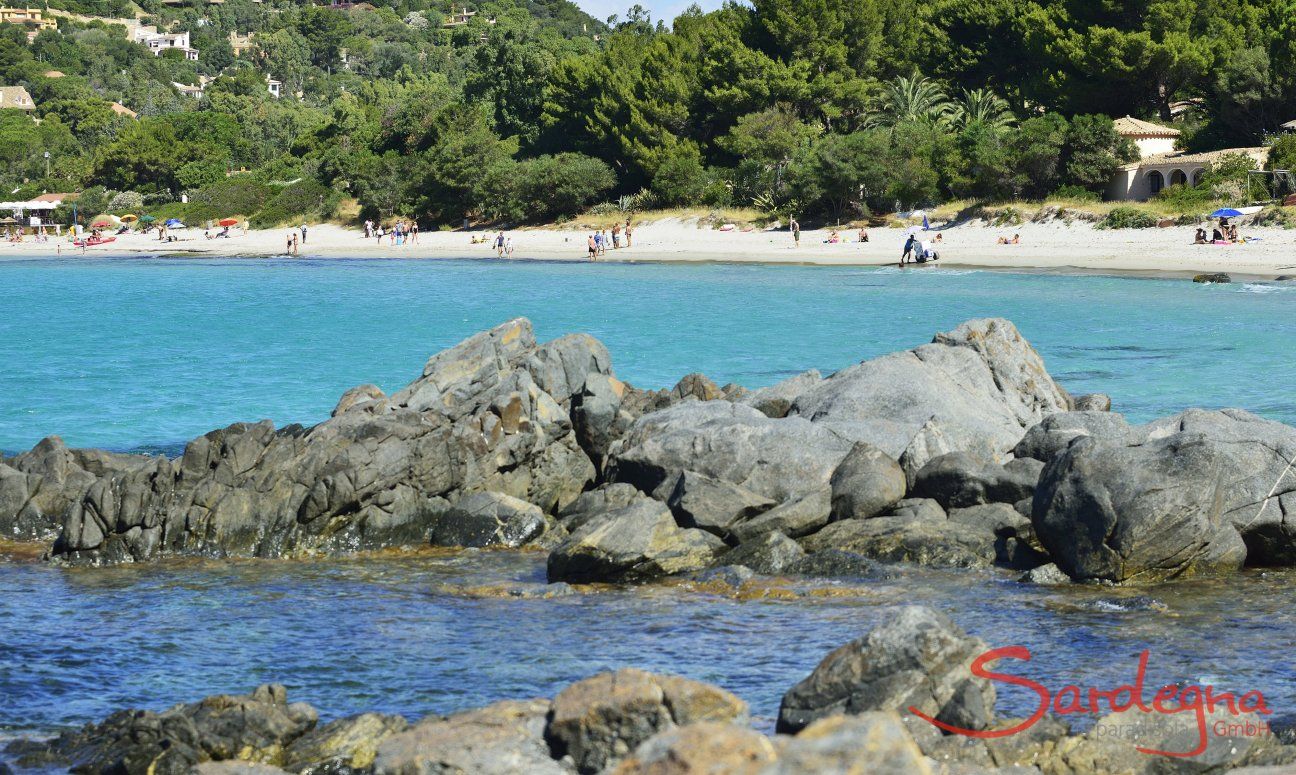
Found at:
[379, 234]
[413, 232]
[627, 232]
[288, 245]
[593, 249]
[508, 248]
[368, 227]
[795, 226]
[616, 236]
[303, 231]
[598, 243]
[499, 245]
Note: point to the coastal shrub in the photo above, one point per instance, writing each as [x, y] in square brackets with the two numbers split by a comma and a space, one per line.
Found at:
[1282, 154]
[1181, 199]
[563, 184]
[1073, 193]
[303, 200]
[239, 195]
[681, 179]
[126, 201]
[1126, 218]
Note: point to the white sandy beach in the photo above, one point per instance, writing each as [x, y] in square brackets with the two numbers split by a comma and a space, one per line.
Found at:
[1051, 246]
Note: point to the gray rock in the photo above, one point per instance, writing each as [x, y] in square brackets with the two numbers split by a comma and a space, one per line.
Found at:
[902, 539]
[706, 747]
[915, 657]
[500, 739]
[564, 366]
[1092, 402]
[488, 519]
[1112, 745]
[998, 518]
[635, 543]
[599, 501]
[712, 505]
[775, 401]
[599, 417]
[1052, 435]
[794, 518]
[777, 459]
[929, 443]
[378, 474]
[771, 554]
[235, 768]
[958, 480]
[866, 483]
[356, 396]
[697, 386]
[1045, 575]
[602, 719]
[255, 727]
[1212, 278]
[981, 384]
[871, 742]
[1142, 513]
[350, 742]
[918, 508]
[838, 564]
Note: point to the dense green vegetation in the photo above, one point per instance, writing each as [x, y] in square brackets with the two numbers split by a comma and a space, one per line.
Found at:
[531, 110]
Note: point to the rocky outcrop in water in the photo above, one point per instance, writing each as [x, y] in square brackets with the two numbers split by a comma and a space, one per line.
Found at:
[506, 442]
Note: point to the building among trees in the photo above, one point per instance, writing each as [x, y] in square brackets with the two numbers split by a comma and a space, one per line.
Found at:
[1160, 165]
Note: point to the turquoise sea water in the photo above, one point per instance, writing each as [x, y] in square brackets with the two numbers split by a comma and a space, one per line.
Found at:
[151, 352]
[148, 353]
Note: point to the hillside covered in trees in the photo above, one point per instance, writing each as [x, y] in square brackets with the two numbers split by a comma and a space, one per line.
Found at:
[531, 110]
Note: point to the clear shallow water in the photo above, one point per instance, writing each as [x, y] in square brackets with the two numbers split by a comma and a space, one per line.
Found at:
[151, 352]
[386, 634]
[148, 353]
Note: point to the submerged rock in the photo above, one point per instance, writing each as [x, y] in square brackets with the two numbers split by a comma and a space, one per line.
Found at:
[488, 519]
[942, 544]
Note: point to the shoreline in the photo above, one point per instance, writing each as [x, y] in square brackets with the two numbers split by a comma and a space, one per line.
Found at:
[1051, 248]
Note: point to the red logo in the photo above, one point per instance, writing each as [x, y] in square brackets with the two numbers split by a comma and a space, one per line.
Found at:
[1069, 700]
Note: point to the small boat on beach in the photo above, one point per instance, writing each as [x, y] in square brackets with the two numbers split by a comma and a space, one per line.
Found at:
[90, 242]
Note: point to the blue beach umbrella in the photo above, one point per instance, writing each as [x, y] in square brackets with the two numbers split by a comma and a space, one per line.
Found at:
[1226, 212]
[174, 222]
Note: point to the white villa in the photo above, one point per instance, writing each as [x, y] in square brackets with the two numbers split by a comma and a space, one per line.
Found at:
[1160, 165]
[158, 42]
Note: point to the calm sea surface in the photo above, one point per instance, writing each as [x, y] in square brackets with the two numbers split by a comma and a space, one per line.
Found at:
[145, 354]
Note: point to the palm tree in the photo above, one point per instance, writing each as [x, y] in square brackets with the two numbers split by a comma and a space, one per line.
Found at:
[981, 106]
[915, 98]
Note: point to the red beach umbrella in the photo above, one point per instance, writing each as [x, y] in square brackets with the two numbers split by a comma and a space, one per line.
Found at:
[228, 222]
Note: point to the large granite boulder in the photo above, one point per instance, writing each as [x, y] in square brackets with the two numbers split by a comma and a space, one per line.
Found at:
[1052, 434]
[637, 542]
[915, 657]
[975, 389]
[349, 743]
[866, 483]
[776, 400]
[500, 739]
[604, 718]
[488, 519]
[379, 473]
[706, 747]
[713, 505]
[935, 543]
[872, 742]
[257, 727]
[958, 480]
[775, 459]
[794, 518]
[1149, 512]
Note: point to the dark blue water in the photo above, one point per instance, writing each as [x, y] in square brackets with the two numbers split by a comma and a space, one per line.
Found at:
[136, 353]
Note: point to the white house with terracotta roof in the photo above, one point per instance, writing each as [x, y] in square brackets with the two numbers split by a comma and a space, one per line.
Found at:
[1160, 165]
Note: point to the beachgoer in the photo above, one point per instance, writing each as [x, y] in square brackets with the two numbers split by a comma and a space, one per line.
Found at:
[795, 226]
[1233, 234]
[368, 227]
[939, 237]
[499, 245]
[414, 233]
[833, 238]
[508, 247]
[1216, 235]
[303, 231]
[1200, 237]
[627, 232]
[863, 235]
[378, 233]
[616, 236]
[288, 245]
[598, 243]
[593, 249]
[909, 246]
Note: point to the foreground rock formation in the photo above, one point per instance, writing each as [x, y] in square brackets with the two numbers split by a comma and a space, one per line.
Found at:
[959, 453]
[850, 715]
